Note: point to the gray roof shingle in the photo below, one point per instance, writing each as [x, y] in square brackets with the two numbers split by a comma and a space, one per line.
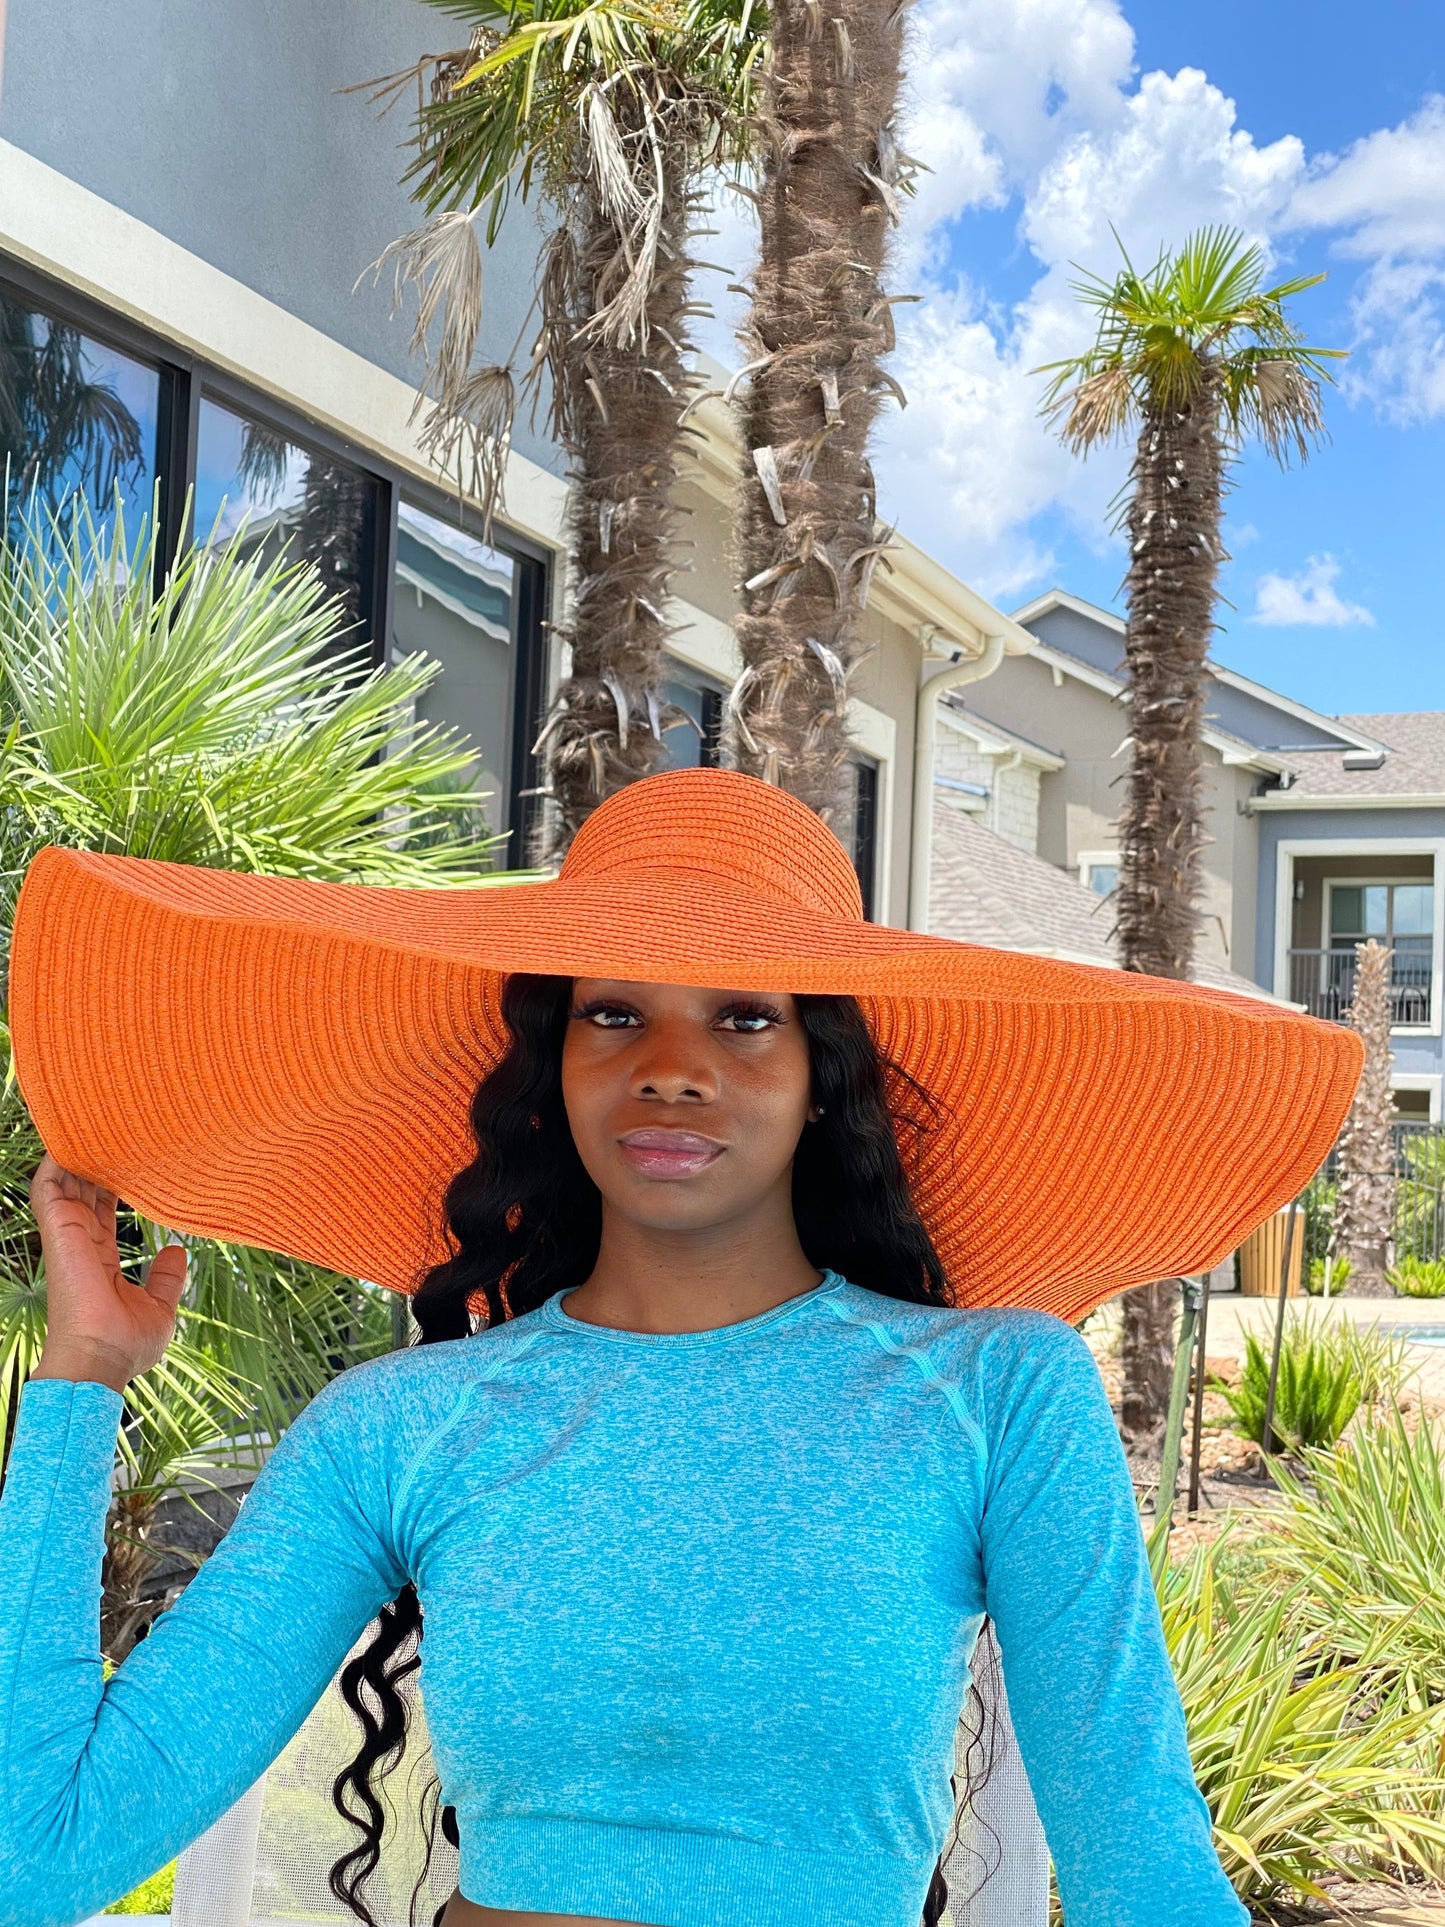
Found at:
[1415, 765]
[985, 890]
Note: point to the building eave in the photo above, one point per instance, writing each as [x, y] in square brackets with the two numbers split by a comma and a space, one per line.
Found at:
[1287, 800]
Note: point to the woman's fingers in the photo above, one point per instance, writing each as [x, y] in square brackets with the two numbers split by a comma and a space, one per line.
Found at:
[165, 1278]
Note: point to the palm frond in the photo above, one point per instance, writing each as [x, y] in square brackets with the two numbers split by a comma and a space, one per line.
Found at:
[1195, 324]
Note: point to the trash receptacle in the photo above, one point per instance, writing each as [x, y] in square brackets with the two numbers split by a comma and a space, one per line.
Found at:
[1262, 1254]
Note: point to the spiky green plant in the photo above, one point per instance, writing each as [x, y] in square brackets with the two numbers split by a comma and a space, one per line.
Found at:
[1418, 1277]
[1309, 1766]
[213, 722]
[1363, 1533]
[1328, 1367]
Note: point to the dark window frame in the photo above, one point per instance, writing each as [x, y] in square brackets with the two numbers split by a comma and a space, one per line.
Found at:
[184, 377]
[866, 839]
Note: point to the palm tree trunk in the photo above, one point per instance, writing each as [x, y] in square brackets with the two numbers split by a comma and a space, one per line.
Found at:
[1173, 523]
[818, 326]
[616, 408]
[1365, 1213]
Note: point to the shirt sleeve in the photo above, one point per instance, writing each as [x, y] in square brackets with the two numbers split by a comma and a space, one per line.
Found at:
[102, 1782]
[1092, 1696]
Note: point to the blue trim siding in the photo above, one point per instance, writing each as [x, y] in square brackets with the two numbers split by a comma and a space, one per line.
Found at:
[1412, 1053]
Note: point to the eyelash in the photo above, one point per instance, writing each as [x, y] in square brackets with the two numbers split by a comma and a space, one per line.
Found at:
[739, 1009]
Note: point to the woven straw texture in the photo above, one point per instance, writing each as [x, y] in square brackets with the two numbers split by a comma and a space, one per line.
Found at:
[289, 1064]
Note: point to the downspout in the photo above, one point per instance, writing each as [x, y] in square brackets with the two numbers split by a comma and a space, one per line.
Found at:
[934, 679]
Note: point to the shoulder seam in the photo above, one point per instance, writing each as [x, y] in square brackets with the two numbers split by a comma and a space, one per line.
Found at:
[459, 1405]
[929, 1372]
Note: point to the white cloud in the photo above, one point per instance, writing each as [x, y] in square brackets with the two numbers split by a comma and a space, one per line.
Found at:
[970, 465]
[1308, 600]
[1384, 192]
[1383, 198]
[1033, 107]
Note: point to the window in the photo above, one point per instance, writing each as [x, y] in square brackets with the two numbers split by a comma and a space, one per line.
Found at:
[90, 403]
[696, 743]
[79, 420]
[1383, 910]
[865, 829]
[455, 599]
[1099, 871]
[1400, 915]
[252, 477]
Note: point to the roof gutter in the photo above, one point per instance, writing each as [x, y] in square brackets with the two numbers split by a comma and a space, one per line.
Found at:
[934, 678]
[1288, 800]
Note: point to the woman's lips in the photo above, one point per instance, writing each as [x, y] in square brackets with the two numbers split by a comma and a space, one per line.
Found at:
[660, 1153]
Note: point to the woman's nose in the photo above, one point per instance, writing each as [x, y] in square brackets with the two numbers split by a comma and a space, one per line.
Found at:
[669, 1071]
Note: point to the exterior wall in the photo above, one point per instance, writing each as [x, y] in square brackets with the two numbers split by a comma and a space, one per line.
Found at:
[222, 127]
[1416, 1053]
[1011, 809]
[1078, 805]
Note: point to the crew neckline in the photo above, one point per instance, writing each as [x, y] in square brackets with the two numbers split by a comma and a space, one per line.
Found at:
[554, 1315]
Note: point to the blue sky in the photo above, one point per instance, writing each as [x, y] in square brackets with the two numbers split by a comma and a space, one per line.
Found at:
[1316, 126]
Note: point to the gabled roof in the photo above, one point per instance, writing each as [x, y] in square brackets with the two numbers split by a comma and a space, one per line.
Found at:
[985, 890]
[1243, 715]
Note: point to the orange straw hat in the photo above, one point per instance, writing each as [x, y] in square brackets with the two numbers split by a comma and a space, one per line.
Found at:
[289, 1064]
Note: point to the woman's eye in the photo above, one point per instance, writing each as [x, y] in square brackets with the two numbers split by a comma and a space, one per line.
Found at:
[750, 1021]
[606, 1016]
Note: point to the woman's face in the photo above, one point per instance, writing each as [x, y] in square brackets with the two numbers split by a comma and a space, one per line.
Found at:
[686, 1105]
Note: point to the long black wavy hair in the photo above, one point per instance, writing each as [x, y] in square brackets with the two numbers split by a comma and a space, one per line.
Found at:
[525, 1221]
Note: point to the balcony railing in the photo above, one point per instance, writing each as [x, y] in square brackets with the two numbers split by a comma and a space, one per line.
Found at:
[1324, 980]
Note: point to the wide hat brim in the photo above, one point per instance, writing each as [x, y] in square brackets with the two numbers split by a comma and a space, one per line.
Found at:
[289, 1064]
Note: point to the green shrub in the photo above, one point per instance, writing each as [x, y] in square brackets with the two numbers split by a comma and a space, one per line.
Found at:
[1339, 1269]
[1321, 1384]
[1309, 1766]
[153, 1896]
[1363, 1535]
[1418, 1277]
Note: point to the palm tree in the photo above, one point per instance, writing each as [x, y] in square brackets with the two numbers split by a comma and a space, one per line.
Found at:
[1365, 1212]
[1192, 357]
[210, 721]
[612, 110]
[61, 428]
[831, 180]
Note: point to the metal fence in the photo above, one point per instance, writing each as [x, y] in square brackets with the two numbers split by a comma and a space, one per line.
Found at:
[1324, 980]
[1419, 1195]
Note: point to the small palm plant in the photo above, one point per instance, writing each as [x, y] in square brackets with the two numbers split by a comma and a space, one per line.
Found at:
[611, 112]
[211, 721]
[1193, 357]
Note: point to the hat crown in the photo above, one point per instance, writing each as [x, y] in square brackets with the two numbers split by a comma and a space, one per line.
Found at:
[734, 828]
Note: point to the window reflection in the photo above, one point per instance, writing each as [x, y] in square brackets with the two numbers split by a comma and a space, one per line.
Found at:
[77, 420]
[253, 477]
[696, 742]
[454, 598]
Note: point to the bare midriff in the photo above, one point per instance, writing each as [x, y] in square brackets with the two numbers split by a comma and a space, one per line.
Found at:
[461, 1912]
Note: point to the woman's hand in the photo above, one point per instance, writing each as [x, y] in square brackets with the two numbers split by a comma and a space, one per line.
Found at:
[100, 1325]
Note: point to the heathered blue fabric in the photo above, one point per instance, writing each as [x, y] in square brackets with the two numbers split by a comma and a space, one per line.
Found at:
[699, 1611]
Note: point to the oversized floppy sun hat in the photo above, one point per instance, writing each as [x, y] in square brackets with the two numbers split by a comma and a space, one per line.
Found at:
[290, 1064]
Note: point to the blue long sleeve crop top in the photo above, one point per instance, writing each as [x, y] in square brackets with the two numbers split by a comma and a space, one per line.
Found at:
[698, 1612]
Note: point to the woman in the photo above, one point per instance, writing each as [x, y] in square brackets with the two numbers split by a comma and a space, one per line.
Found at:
[704, 1520]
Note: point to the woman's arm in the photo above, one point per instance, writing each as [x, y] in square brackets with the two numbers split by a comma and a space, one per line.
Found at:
[1089, 1684]
[101, 1782]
